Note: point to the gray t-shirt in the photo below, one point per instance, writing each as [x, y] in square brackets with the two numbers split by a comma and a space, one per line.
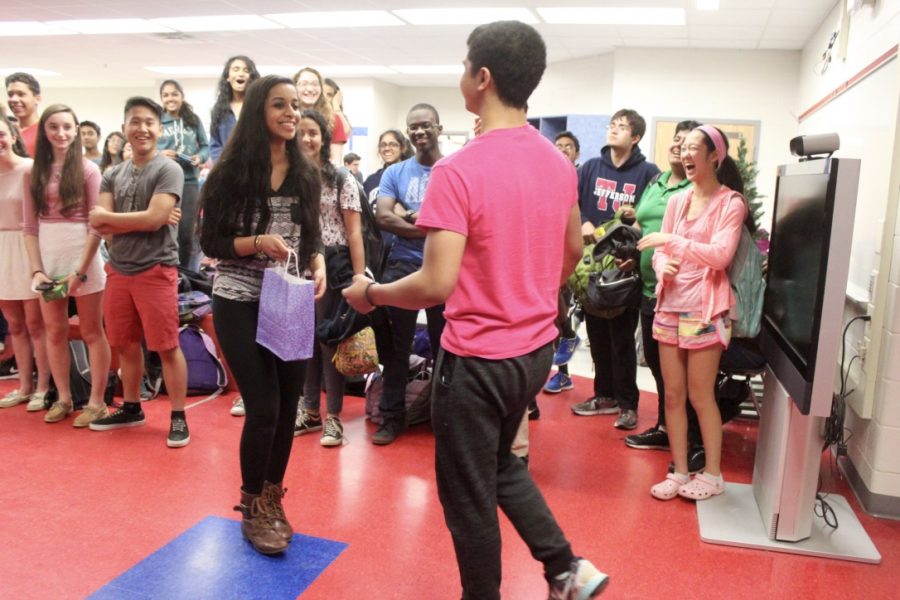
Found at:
[132, 189]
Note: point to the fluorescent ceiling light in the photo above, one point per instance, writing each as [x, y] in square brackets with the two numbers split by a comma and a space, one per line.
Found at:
[707, 4]
[4, 71]
[218, 23]
[456, 69]
[188, 70]
[336, 19]
[464, 16]
[28, 28]
[115, 26]
[613, 16]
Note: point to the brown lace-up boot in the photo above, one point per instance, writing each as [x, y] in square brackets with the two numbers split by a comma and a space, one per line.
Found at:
[257, 525]
[271, 497]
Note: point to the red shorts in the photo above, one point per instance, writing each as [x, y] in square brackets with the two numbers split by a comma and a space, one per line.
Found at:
[142, 306]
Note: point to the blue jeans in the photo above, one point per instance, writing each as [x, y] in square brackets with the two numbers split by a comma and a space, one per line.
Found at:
[403, 329]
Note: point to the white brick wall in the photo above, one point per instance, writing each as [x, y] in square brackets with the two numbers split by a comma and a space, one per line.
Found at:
[875, 445]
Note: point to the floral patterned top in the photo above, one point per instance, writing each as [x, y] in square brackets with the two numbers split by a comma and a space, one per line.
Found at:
[332, 219]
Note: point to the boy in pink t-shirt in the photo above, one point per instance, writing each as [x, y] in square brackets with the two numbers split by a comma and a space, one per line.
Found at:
[503, 232]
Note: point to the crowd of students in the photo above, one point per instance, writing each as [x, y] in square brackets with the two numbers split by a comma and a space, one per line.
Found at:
[274, 190]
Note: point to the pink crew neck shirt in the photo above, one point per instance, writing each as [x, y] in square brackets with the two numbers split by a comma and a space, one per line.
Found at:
[53, 211]
[510, 193]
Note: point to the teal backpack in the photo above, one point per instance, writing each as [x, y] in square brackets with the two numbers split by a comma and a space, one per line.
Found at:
[749, 286]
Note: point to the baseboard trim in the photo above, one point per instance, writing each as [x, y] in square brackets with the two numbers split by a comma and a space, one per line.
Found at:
[876, 505]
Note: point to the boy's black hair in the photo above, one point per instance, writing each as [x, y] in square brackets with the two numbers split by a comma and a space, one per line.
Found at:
[688, 125]
[351, 157]
[27, 79]
[635, 120]
[571, 136]
[515, 55]
[426, 106]
[92, 125]
[145, 102]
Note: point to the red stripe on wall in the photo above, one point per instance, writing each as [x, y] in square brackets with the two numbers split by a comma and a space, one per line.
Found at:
[844, 87]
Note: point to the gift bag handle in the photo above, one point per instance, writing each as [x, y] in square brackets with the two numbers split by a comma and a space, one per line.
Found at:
[284, 265]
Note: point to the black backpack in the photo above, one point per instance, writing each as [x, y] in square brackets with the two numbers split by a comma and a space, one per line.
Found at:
[80, 376]
[609, 290]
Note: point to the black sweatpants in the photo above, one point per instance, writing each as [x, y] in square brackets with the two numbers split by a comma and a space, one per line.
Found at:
[270, 388]
[477, 406]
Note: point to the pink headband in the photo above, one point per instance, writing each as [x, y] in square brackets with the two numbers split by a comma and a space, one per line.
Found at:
[717, 140]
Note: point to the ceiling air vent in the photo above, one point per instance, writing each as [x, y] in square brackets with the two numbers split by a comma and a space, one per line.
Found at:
[175, 37]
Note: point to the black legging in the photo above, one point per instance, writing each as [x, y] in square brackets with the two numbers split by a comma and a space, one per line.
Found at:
[187, 226]
[270, 388]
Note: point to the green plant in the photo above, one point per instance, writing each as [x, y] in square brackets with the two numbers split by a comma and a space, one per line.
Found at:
[749, 172]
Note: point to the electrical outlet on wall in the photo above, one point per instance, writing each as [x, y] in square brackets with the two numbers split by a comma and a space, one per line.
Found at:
[861, 347]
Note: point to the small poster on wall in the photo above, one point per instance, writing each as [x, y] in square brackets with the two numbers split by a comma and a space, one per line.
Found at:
[734, 130]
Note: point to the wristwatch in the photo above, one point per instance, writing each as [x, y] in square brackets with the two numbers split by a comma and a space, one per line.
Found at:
[82, 277]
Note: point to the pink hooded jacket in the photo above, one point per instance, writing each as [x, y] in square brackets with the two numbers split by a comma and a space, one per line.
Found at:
[723, 227]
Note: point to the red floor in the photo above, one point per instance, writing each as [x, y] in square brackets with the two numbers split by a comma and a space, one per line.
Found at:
[83, 506]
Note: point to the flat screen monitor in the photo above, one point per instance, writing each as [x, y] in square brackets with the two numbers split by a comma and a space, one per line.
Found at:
[806, 281]
[797, 259]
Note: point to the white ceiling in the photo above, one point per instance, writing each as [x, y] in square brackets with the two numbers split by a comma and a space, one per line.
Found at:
[119, 60]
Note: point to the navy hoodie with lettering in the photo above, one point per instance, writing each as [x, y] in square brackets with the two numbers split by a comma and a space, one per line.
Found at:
[603, 188]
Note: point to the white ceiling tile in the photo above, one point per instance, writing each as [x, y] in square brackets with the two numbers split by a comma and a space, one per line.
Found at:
[728, 44]
[743, 4]
[765, 44]
[661, 42]
[820, 6]
[773, 32]
[794, 18]
[723, 32]
[753, 16]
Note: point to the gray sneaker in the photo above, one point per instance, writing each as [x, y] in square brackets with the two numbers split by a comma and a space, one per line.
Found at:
[334, 432]
[596, 406]
[582, 581]
[627, 420]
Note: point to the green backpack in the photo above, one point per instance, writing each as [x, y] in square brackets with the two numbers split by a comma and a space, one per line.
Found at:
[578, 280]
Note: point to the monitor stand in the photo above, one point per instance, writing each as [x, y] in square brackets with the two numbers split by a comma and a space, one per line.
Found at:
[732, 519]
[776, 512]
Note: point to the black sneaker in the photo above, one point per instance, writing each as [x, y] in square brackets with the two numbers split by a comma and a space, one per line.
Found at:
[389, 430]
[8, 368]
[696, 460]
[119, 419]
[306, 422]
[179, 435]
[652, 439]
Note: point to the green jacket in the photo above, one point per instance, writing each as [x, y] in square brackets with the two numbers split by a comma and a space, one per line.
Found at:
[650, 212]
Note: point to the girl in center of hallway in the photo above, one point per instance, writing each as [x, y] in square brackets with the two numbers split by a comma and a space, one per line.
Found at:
[699, 236]
[261, 200]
